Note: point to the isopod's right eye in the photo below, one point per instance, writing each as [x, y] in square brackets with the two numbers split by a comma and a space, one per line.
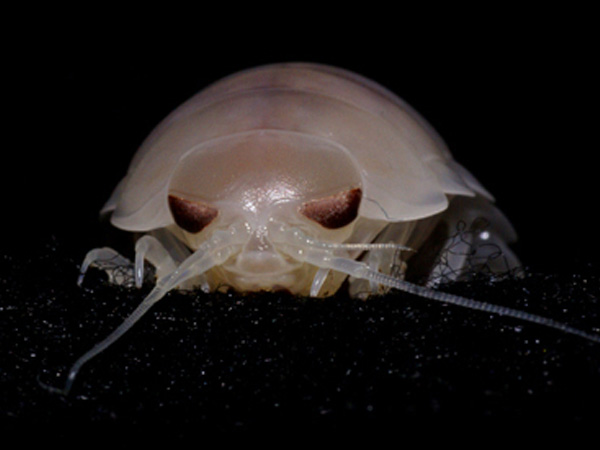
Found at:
[335, 211]
[192, 216]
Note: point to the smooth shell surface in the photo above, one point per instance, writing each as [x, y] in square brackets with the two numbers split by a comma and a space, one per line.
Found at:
[405, 167]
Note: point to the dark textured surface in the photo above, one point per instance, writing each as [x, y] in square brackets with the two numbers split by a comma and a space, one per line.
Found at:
[200, 364]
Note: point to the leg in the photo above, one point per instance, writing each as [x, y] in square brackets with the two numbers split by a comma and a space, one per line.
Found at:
[318, 281]
[165, 252]
[118, 268]
[149, 248]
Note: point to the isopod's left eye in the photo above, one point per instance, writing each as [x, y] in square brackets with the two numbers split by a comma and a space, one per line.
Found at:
[334, 211]
[191, 216]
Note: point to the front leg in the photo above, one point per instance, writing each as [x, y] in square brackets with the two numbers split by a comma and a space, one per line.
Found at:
[160, 248]
[120, 270]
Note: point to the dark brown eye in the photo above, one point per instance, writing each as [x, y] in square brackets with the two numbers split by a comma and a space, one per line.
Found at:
[191, 216]
[334, 211]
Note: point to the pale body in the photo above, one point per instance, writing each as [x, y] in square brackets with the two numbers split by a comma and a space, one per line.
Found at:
[299, 177]
[259, 144]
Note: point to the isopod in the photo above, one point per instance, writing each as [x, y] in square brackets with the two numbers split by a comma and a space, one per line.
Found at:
[306, 178]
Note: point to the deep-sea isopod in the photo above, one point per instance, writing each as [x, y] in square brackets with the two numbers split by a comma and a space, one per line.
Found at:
[302, 177]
